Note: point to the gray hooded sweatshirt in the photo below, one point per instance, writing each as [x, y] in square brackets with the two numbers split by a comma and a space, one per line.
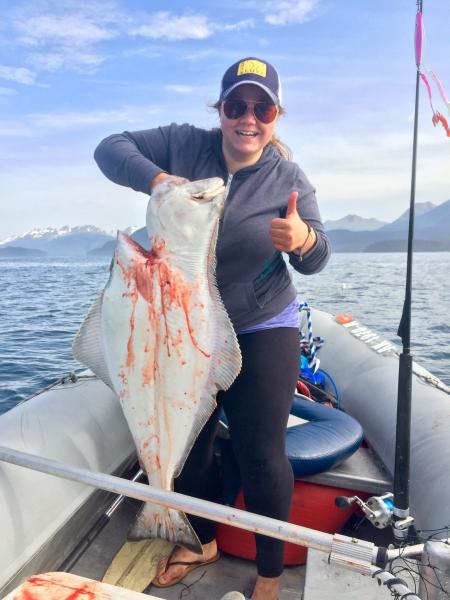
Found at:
[252, 276]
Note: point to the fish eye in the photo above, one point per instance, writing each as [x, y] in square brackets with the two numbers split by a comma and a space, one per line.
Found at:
[198, 197]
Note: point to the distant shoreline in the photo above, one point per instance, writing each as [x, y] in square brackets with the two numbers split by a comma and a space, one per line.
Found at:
[107, 257]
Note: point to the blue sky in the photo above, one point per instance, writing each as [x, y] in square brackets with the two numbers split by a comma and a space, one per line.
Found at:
[72, 72]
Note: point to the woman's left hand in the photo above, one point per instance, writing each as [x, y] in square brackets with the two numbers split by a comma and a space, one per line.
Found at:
[290, 233]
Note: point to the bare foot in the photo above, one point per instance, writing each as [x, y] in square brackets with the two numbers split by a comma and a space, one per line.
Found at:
[266, 588]
[172, 573]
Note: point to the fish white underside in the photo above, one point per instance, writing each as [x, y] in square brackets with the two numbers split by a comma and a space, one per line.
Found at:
[161, 338]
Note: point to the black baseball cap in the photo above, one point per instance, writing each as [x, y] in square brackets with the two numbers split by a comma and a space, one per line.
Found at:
[252, 70]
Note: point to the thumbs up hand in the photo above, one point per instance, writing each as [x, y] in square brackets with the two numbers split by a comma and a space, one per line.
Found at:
[290, 233]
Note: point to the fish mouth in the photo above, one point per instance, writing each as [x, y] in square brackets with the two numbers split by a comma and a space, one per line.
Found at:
[210, 193]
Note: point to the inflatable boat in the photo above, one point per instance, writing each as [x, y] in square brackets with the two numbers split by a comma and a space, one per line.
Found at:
[79, 422]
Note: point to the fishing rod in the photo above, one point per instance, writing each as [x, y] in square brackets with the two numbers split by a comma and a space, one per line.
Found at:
[402, 519]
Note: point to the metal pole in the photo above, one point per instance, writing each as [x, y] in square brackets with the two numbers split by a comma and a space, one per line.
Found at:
[403, 430]
[354, 556]
[389, 580]
[295, 534]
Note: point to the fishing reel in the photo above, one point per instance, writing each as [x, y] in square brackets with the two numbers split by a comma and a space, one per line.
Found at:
[379, 510]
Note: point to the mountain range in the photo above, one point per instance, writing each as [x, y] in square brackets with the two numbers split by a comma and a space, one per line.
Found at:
[66, 241]
[349, 234]
[431, 232]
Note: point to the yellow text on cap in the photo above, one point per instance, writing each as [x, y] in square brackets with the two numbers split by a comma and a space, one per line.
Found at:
[256, 67]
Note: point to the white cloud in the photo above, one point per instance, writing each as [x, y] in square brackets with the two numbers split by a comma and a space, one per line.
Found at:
[179, 89]
[4, 91]
[244, 24]
[66, 59]
[75, 30]
[166, 25]
[69, 120]
[17, 74]
[32, 123]
[285, 12]
[192, 26]
[65, 35]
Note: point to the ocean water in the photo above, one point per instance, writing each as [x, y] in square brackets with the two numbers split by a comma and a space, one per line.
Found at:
[44, 301]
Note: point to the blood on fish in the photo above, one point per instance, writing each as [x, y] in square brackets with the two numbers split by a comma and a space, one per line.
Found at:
[47, 588]
[148, 372]
[174, 291]
[191, 331]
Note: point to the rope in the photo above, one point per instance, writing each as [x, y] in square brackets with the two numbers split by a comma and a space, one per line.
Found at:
[312, 344]
[71, 377]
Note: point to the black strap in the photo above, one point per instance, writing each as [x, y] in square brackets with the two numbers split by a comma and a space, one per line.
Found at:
[396, 580]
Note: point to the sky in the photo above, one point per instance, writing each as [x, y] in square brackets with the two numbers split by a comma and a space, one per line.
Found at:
[73, 72]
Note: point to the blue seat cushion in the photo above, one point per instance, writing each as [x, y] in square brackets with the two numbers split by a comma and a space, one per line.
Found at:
[328, 438]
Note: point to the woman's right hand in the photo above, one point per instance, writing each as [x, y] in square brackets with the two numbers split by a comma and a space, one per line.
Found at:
[166, 178]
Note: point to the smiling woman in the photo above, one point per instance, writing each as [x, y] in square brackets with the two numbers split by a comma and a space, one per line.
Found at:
[270, 208]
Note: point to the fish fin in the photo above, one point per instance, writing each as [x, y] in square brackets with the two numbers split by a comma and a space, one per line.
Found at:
[87, 345]
[228, 361]
[164, 523]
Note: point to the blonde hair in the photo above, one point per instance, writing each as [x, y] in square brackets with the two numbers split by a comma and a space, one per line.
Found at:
[283, 149]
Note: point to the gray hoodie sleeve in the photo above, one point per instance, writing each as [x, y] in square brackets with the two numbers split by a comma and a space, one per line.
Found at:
[134, 159]
[317, 257]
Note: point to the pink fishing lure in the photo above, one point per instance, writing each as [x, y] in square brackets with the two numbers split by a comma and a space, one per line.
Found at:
[419, 39]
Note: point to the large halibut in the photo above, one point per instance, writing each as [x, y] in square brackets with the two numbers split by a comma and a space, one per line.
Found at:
[161, 338]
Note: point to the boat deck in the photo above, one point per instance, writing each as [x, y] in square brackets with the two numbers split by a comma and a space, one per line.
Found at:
[210, 583]
[231, 573]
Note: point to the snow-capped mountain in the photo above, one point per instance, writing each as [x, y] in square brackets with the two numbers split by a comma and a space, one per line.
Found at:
[51, 233]
[65, 241]
[131, 230]
[354, 223]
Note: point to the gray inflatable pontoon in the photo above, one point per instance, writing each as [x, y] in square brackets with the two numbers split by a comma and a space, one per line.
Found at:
[365, 370]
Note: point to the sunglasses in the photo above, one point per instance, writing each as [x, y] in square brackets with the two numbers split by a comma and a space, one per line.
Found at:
[263, 111]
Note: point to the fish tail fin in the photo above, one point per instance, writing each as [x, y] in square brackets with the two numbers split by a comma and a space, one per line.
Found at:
[164, 523]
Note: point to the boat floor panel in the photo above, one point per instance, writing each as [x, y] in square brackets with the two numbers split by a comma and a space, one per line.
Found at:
[210, 583]
[330, 582]
[229, 574]
[98, 556]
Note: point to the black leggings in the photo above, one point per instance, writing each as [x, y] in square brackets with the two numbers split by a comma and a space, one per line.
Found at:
[257, 408]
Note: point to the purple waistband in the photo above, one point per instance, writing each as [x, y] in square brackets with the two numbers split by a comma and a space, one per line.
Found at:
[288, 317]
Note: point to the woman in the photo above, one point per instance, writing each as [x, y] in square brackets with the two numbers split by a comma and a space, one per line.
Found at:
[270, 208]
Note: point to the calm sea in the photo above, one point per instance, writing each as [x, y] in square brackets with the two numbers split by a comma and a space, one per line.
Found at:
[43, 303]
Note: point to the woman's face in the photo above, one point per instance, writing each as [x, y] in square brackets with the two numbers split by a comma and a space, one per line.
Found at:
[245, 138]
